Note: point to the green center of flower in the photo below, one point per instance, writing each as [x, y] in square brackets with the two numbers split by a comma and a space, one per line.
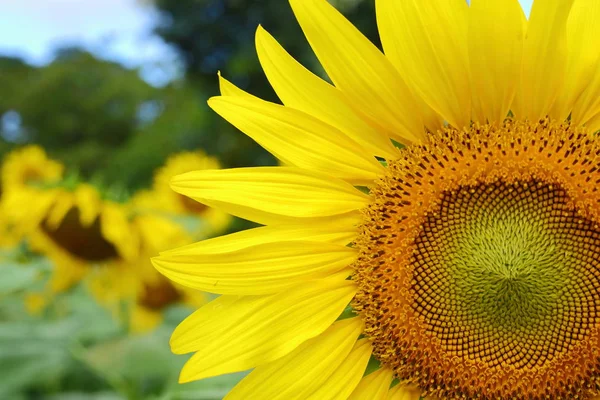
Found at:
[507, 273]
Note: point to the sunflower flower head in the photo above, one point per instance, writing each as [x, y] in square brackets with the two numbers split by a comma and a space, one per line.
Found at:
[25, 166]
[463, 263]
[29, 165]
[83, 233]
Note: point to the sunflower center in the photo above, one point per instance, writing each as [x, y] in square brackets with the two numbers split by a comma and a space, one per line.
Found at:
[31, 175]
[85, 242]
[479, 263]
[159, 295]
[510, 267]
[190, 205]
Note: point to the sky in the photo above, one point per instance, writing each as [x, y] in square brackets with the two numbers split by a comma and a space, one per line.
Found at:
[117, 30]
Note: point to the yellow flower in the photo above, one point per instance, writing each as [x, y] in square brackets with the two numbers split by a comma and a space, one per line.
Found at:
[157, 233]
[161, 197]
[35, 303]
[83, 234]
[28, 165]
[464, 263]
[21, 167]
[155, 298]
[8, 239]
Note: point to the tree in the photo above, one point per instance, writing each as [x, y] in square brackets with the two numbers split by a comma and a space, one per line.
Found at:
[213, 35]
[96, 116]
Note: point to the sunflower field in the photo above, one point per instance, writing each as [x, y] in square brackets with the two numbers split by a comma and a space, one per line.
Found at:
[88, 148]
[83, 310]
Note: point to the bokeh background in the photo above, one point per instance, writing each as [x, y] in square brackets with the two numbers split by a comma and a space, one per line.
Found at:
[112, 90]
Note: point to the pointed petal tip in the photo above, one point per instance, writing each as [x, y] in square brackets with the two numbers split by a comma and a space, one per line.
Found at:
[156, 262]
[177, 345]
[185, 376]
[260, 35]
[174, 346]
[214, 99]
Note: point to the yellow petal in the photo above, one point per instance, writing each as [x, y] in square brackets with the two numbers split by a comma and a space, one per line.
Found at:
[64, 203]
[347, 376]
[26, 219]
[66, 272]
[88, 201]
[304, 370]
[35, 303]
[360, 70]
[299, 88]
[299, 139]
[587, 105]
[271, 195]
[114, 285]
[496, 34]
[117, 230]
[374, 386]
[229, 89]
[593, 124]
[142, 319]
[404, 392]
[235, 333]
[330, 233]
[170, 232]
[259, 269]
[583, 43]
[427, 42]
[544, 59]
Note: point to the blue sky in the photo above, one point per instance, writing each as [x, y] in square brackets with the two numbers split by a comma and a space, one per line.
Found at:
[526, 5]
[115, 29]
[118, 30]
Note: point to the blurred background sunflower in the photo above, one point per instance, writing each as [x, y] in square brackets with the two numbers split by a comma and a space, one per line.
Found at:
[101, 104]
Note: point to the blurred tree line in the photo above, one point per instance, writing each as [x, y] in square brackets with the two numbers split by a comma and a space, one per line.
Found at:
[105, 121]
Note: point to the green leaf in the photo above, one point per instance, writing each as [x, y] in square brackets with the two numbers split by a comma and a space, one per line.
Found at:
[16, 277]
[85, 396]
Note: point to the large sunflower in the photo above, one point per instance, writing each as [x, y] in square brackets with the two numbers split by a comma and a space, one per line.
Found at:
[465, 264]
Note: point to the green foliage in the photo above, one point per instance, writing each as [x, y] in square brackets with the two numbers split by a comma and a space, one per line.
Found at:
[88, 100]
[77, 350]
[78, 107]
[98, 117]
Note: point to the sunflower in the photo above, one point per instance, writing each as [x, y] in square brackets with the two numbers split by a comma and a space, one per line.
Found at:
[213, 220]
[83, 234]
[27, 165]
[157, 232]
[436, 231]
[24, 166]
